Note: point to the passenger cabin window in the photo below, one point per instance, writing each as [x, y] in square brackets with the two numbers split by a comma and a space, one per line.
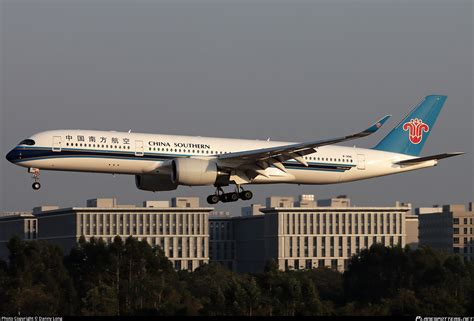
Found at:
[28, 142]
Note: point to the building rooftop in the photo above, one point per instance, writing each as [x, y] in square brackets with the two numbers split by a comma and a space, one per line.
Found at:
[180, 204]
[5, 216]
[332, 208]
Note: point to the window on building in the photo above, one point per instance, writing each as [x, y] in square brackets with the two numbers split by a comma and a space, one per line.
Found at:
[315, 246]
[203, 248]
[306, 249]
[321, 263]
[343, 223]
[362, 222]
[331, 248]
[287, 218]
[317, 224]
[291, 246]
[170, 247]
[339, 246]
[298, 254]
[195, 248]
[323, 246]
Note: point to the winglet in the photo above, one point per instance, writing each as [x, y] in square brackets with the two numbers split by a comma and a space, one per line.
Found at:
[375, 126]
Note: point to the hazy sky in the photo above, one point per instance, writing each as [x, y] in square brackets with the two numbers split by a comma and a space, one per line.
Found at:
[288, 70]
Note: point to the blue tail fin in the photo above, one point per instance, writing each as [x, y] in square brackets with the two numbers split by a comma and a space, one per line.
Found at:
[409, 136]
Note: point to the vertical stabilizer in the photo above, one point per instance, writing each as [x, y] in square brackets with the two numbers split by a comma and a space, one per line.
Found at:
[410, 135]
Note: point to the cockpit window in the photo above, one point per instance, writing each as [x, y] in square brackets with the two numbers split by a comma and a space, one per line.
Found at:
[28, 142]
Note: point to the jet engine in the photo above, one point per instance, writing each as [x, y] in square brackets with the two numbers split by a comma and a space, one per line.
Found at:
[195, 172]
[155, 183]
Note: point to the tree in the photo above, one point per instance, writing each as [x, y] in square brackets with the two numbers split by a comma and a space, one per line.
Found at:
[38, 280]
[100, 300]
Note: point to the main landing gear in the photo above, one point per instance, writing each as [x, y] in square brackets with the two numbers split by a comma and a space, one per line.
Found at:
[240, 193]
[36, 175]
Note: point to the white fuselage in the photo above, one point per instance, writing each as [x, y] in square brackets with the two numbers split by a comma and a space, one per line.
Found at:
[137, 153]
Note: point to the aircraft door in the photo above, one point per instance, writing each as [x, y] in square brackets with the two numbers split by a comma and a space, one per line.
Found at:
[57, 144]
[361, 161]
[139, 150]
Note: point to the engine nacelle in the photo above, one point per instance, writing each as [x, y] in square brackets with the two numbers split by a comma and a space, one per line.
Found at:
[155, 183]
[194, 172]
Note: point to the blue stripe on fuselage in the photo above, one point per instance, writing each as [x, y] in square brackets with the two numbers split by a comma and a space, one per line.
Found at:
[40, 153]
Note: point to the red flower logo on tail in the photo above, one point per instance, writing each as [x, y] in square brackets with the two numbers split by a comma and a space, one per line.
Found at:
[416, 127]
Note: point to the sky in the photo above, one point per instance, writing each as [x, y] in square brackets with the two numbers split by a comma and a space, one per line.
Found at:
[289, 70]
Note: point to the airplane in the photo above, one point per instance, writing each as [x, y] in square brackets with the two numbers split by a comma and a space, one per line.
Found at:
[164, 162]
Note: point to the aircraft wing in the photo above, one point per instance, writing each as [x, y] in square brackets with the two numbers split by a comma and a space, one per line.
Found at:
[276, 155]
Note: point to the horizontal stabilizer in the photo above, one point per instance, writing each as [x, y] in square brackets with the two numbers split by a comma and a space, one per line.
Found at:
[418, 160]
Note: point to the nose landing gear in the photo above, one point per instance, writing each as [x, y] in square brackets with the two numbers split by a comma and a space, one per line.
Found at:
[240, 193]
[36, 175]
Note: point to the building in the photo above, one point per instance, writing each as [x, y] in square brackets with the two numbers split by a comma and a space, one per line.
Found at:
[307, 236]
[21, 224]
[411, 225]
[301, 234]
[429, 210]
[280, 201]
[222, 239]
[412, 230]
[181, 231]
[306, 200]
[449, 228]
[339, 201]
[251, 210]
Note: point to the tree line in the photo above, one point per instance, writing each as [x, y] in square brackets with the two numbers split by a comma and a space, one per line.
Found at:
[129, 277]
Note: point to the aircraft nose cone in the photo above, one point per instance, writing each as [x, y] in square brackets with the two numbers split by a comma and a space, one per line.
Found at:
[11, 156]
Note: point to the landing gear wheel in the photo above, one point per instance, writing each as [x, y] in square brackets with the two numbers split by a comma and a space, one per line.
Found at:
[229, 197]
[213, 199]
[36, 176]
[246, 195]
[233, 197]
[223, 198]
